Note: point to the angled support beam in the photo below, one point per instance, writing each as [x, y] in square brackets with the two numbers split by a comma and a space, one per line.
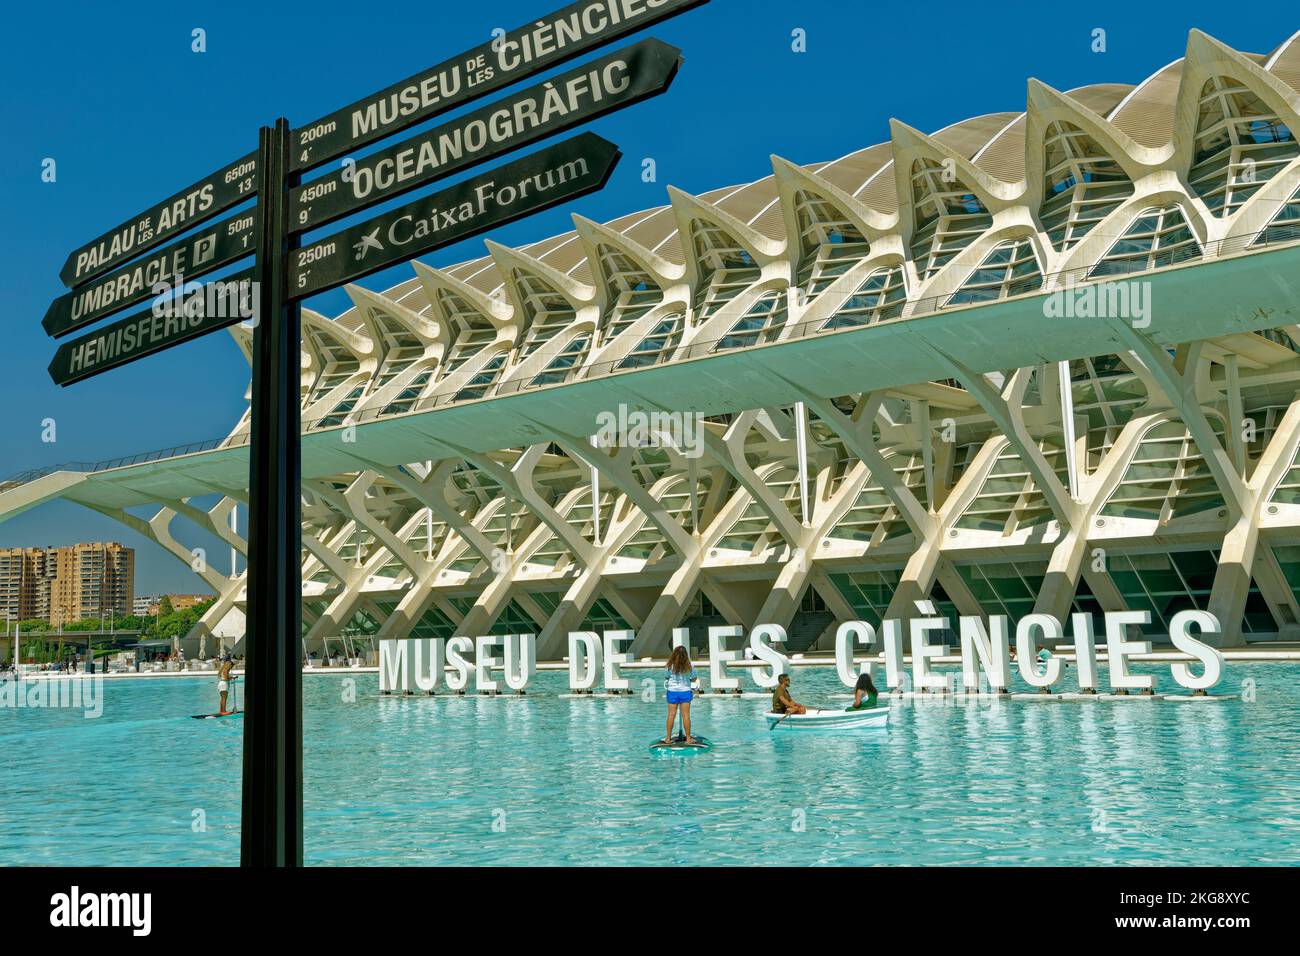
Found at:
[1066, 565]
[590, 583]
[353, 501]
[798, 572]
[518, 478]
[430, 491]
[1178, 385]
[922, 568]
[1232, 577]
[729, 451]
[422, 593]
[1006, 409]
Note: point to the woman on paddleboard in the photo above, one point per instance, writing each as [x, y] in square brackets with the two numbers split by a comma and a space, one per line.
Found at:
[223, 680]
[681, 678]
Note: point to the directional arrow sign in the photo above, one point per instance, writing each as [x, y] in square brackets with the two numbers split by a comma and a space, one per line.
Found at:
[602, 86]
[219, 304]
[191, 257]
[502, 61]
[569, 169]
[188, 208]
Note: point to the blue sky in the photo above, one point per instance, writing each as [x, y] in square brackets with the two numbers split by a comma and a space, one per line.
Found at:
[114, 94]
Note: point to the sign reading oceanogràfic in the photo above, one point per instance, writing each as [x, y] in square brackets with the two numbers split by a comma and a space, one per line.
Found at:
[191, 257]
[567, 170]
[592, 90]
[504, 60]
[197, 311]
[190, 207]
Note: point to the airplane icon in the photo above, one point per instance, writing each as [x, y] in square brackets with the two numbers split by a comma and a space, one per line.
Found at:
[368, 242]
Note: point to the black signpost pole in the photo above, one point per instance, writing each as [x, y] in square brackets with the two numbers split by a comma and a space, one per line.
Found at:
[113, 272]
[272, 802]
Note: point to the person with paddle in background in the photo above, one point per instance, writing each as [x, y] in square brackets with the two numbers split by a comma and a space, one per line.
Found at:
[782, 702]
[681, 679]
[224, 677]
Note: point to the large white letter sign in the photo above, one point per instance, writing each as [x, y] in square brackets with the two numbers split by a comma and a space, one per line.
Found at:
[1085, 651]
[759, 639]
[719, 656]
[394, 670]
[1180, 634]
[615, 657]
[428, 655]
[992, 652]
[1118, 647]
[484, 662]
[923, 650]
[521, 661]
[847, 637]
[1027, 651]
[457, 648]
[893, 653]
[584, 659]
[681, 638]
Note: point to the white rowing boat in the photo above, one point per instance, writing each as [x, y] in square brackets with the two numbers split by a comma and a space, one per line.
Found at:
[816, 719]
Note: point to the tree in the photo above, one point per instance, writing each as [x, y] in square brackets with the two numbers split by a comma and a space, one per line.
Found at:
[165, 607]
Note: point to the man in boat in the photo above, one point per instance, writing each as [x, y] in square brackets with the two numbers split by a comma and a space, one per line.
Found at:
[224, 671]
[782, 702]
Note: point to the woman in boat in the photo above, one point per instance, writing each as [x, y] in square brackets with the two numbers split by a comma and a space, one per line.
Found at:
[864, 693]
[681, 678]
[782, 702]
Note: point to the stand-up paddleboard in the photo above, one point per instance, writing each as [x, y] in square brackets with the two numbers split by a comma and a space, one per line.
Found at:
[235, 712]
[816, 719]
[680, 748]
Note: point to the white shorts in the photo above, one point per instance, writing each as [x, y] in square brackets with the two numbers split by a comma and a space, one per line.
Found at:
[222, 686]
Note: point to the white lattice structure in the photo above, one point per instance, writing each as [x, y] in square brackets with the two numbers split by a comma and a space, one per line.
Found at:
[964, 442]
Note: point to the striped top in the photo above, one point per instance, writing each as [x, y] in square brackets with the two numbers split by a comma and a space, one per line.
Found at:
[681, 682]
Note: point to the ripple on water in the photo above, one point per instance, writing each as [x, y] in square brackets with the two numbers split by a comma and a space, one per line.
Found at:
[545, 780]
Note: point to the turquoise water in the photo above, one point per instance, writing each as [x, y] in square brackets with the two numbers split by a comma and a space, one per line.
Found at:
[547, 780]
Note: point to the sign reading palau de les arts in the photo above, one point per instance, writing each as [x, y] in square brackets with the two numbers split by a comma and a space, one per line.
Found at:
[421, 665]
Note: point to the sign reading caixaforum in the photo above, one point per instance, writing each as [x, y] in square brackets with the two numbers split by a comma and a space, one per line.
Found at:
[570, 169]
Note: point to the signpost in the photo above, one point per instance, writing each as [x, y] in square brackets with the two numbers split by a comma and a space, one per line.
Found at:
[122, 268]
[592, 90]
[203, 310]
[191, 206]
[505, 59]
[271, 814]
[195, 255]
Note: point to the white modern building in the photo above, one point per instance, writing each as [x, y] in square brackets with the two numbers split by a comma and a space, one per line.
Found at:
[1042, 360]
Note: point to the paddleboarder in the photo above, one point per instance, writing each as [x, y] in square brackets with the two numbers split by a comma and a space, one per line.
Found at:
[224, 672]
[680, 681]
